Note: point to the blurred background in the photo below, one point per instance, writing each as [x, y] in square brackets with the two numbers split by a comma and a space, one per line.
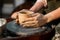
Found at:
[7, 6]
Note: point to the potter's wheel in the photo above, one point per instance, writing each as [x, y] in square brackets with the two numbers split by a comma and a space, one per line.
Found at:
[13, 27]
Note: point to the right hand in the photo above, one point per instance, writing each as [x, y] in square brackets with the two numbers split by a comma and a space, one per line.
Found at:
[36, 21]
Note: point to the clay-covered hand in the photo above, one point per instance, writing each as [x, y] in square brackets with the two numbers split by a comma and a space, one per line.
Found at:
[28, 18]
[23, 15]
[36, 20]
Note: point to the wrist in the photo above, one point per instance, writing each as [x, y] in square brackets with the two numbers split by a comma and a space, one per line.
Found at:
[53, 15]
[37, 6]
[47, 17]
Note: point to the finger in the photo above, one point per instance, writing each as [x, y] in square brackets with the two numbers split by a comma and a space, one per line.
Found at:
[39, 15]
[28, 19]
[17, 21]
[31, 24]
[14, 15]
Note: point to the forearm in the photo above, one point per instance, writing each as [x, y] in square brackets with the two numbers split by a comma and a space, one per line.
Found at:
[37, 6]
[53, 15]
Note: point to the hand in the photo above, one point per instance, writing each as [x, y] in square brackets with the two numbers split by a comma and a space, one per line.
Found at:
[28, 18]
[36, 20]
[23, 15]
